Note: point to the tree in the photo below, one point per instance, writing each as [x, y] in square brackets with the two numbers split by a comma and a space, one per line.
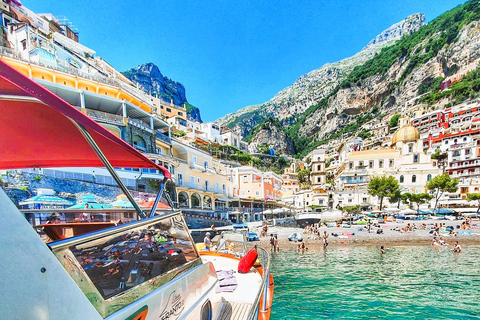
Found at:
[417, 198]
[441, 184]
[474, 197]
[394, 120]
[383, 187]
[395, 197]
[303, 175]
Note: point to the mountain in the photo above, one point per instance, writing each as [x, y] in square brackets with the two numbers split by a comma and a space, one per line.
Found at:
[317, 84]
[151, 79]
[411, 70]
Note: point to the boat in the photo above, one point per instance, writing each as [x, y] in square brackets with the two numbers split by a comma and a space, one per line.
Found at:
[143, 269]
[308, 218]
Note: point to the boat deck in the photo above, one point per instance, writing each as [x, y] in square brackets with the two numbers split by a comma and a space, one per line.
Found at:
[237, 304]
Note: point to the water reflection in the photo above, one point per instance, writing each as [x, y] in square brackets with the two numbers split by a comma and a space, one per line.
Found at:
[122, 261]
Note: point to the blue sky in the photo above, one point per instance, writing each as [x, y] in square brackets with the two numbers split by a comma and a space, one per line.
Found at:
[230, 54]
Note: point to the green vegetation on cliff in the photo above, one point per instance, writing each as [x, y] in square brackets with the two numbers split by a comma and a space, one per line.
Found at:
[467, 88]
[266, 124]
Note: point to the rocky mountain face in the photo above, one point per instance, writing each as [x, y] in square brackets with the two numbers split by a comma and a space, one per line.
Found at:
[317, 84]
[273, 136]
[448, 45]
[151, 79]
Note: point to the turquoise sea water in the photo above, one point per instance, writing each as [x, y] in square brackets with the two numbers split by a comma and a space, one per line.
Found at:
[414, 282]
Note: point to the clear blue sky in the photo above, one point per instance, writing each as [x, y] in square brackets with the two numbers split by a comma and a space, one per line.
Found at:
[230, 54]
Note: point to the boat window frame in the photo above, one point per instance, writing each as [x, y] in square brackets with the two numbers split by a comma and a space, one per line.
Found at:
[109, 305]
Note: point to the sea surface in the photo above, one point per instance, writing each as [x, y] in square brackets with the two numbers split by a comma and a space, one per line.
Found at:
[411, 282]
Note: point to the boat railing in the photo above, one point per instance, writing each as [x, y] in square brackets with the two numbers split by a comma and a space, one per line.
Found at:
[262, 295]
[263, 258]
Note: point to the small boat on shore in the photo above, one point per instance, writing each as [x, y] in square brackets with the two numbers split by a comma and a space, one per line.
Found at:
[308, 218]
[141, 270]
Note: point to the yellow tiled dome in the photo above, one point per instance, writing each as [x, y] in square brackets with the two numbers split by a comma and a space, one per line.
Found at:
[405, 134]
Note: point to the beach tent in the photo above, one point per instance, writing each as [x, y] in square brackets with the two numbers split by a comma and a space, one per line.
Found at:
[332, 215]
[408, 211]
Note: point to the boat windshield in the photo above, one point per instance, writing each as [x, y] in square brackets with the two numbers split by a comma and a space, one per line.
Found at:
[120, 265]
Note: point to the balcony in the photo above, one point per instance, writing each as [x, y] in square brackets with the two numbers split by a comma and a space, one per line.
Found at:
[210, 170]
[101, 116]
[196, 166]
[139, 124]
[163, 137]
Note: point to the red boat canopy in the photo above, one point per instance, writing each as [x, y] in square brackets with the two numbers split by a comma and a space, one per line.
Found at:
[37, 130]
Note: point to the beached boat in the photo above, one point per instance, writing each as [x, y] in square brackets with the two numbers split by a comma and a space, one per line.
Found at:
[308, 218]
[140, 270]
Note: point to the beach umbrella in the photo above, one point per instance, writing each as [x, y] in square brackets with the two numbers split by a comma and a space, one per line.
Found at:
[45, 200]
[121, 204]
[149, 204]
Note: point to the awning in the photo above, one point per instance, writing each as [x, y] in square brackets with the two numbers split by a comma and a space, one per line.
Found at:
[37, 130]
[224, 199]
[45, 199]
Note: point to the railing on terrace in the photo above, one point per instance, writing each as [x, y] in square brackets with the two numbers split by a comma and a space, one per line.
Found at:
[62, 67]
[163, 137]
[140, 124]
[104, 116]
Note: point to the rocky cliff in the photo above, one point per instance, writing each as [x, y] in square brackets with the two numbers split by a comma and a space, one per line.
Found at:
[271, 135]
[151, 79]
[317, 84]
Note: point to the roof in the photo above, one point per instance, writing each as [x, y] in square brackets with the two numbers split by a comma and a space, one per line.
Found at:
[406, 134]
[39, 129]
[373, 154]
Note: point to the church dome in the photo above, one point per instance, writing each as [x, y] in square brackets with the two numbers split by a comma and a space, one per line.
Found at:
[405, 134]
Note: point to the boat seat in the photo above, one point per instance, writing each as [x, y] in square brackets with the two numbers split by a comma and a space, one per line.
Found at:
[234, 311]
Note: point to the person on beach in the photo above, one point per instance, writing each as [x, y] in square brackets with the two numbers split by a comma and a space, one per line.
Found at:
[325, 237]
[207, 242]
[383, 250]
[272, 243]
[457, 248]
[275, 244]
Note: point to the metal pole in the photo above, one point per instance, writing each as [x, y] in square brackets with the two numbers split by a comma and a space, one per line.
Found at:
[157, 199]
[108, 166]
[267, 283]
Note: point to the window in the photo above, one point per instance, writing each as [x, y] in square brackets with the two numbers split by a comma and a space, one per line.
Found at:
[429, 177]
[446, 141]
[320, 201]
[350, 200]
[180, 114]
[350, 165]
[245, 178]
[257, 193]
[380, 164]
[360, 163]
[180, 179]
[415, 158]
[169, 110]
[414, 178]
[410, 148]
[364, 200]
[370, 164]
[390, 162]
[464, 138]
[401, 179]
[205, 164]
[194, 159]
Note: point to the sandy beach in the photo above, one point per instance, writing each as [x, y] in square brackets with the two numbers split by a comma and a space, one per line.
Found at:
[360, 235]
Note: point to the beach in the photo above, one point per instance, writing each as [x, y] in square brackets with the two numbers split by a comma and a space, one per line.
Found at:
[359, 235]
